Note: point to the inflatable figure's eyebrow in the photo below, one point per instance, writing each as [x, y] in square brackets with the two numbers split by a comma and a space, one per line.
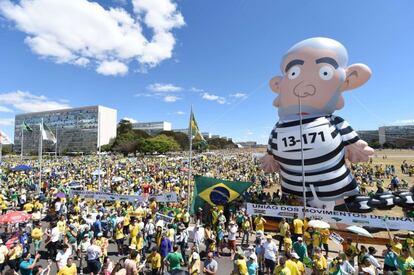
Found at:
[293, 63]
[328, 60]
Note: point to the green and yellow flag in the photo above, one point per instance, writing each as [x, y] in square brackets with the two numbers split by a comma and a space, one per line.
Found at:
[216, 191]
[195, 131]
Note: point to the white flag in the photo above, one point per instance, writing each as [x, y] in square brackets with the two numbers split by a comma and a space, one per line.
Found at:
[47, 134]
[4, 139]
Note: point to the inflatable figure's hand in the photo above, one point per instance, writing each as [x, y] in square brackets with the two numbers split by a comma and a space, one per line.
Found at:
[269, 164]
[358, 152]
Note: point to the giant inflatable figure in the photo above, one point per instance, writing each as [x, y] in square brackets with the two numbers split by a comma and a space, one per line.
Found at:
[308, 136]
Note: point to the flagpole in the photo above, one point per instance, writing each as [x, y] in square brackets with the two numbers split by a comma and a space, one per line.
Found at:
[99, 151]
[302, 159]
[21, 145]
[40, 154]
[189, 163]
[56, 147]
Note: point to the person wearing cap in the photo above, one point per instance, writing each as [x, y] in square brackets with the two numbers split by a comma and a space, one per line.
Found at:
[293, 267]
[3, 255]
[194, 262]
[82, 249]
[346, 268]
[246, 227]
[252, 266]
[241, 265]
[27, 264]
[300, 248]
[270, 251]
[295, 258]
[367, 268]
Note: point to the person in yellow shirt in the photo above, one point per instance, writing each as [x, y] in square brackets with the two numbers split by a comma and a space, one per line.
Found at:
[241, 265]
[259, 223]
[28, 207]
[69, 268]
[38, 205]
[119, 238]
[37, 235]
[287, 242]
[301, 266]
[155, 260]
[292, 265]
[325, 237]
[320, 264]
[281, 268]
[133, 229]
[283, 229]
[297, 228]
[127, 221]
[62, 225]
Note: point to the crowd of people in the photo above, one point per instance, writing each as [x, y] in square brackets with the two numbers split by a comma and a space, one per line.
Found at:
[73, 235]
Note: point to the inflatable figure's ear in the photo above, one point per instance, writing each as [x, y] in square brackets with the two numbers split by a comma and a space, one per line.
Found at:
[356, 76]
[274, 84]
[276, 102]
[340, 103]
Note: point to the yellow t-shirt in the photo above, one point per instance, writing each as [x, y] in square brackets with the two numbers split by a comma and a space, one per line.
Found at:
[134, 229]
[325, 235]
[321, 263]
[62, 226]
[283, 228]
[287, 243]
[37, 233]
[396, 247]
[119, 233]
[316, 239]
[155, 260]
[293, 267]
[3, 253]
[298, 226]
[259, 222]
[68, 270]
[242, 266]
[17, 253]
[279, 270]
[301, 267]
[28, 207]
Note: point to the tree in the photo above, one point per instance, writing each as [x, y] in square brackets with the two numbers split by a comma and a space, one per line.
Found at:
[160, 144]
[180, 138]
[124, 127]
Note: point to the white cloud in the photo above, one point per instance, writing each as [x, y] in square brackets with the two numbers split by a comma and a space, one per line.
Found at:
[4, 109]
[6, 121]
[158, 87]
[196, 90]
[84, 33]
[211, 97]
[249, 133]
[239, 95]
[130, 119]
[180, 113]
[27, 102]
[171, 98]
[112, 68]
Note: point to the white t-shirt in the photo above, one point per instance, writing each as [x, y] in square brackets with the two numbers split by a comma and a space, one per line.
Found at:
[232, 232]
[55, 234]
[62, 257]
[150, 228]
[93, 252]
[270, 250]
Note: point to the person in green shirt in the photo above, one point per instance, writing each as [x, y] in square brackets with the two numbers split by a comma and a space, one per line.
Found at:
[405, 262]
[174, 260]
[300, 248]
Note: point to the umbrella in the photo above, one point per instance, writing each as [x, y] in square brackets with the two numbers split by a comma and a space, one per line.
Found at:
[22, 168]
[97, 172]
[359, 230]
[14, 217]
[117, 179]
[318, 224]
[60, 195]
[46, 170]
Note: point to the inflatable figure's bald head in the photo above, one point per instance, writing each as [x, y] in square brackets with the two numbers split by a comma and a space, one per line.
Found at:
[314, 74]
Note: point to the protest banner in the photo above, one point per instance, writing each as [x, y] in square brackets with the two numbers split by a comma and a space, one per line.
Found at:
[331, 216]
[336, 238]
[163, 219]
[166, 197]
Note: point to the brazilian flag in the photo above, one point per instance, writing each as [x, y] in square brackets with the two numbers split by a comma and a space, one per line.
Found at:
[216, 191]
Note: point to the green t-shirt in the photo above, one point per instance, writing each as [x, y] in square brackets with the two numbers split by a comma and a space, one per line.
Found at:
[175, 259]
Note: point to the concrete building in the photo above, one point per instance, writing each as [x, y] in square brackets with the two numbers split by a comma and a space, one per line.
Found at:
[184, 131]
[206, 134]
[401, 136]
[370, 136]
[152, 128]
[215, 136]
[76, 129]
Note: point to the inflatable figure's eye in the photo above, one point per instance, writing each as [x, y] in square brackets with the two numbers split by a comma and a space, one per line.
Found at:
[326, 72]
[294, 72]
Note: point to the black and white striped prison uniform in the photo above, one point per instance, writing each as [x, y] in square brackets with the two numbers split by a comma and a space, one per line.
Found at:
[324, 141]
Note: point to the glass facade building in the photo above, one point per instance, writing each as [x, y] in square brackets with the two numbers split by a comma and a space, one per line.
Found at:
[76, 129]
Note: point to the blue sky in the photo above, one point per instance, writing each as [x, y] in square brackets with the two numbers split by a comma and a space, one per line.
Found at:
[152, 59]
